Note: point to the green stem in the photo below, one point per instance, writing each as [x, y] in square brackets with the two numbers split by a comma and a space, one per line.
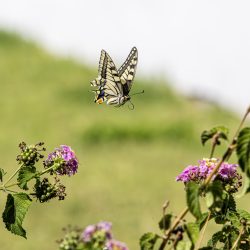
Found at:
[175, 224]
[46, 170]
[11, 177]
[202, 232]
[238, 238]
[229, 150]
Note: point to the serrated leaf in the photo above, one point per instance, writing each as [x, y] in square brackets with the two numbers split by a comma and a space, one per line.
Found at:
[217, 237]
[244, 214]
[192, 196]
[215, 193]
[165, 222]
[243, 150]
[193, 231]
[148, 240]
[25, 175]
[208, 134]
[2, 173]
[234, 219]
[15, 210]
[184, 245]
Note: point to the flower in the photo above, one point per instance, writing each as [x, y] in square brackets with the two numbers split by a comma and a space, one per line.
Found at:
[63, 160]
[227, 173]
[116, 245]
[102, 227]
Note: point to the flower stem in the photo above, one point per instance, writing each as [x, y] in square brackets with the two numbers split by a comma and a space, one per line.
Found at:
[238, 238]
[229, 150]
[11, 177]
[175, 224]
[202, 232]
[46, 170]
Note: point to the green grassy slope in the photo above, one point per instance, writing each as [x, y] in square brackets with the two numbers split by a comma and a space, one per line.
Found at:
[129, 159]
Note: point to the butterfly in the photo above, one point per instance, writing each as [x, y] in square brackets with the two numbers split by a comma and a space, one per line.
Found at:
[113, 86]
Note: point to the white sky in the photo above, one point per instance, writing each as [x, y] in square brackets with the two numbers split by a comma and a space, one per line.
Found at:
[202, 46]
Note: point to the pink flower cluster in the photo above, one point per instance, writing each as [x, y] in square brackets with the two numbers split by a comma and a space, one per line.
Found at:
[198, 173]
[104, 227]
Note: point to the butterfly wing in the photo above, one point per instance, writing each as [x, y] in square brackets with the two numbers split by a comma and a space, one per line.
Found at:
[108, 81]
[127, 71]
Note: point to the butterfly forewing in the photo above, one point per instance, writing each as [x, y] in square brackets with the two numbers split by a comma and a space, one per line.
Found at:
[127, 71]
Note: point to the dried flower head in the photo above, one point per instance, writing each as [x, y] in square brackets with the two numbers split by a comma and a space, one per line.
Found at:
[30, 154]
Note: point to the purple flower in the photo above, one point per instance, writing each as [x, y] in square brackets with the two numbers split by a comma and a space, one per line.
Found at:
[88, 233]
[116, 245]
[64, 160]
[91, 230]
[227, 172]
[106, 227]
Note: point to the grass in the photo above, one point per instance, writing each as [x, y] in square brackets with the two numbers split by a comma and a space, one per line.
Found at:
[129, 159]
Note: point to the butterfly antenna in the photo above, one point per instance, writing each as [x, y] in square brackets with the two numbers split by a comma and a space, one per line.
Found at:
[132, 106]
[138, 93]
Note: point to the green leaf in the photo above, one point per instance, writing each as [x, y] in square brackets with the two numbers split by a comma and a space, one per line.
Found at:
[192, 196]
[25, 175]
[244, 214]
[215, 195]
[202, 220]
[208, 248]
[193, 231]
[15, 210]
[221, 131]
[233, 217]
[148, 240]
[2, 173]
[184, 245]
[243, 150]
[217, 237]
[165, 222]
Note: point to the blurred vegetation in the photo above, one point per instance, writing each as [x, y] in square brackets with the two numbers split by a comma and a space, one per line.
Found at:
[129, 159]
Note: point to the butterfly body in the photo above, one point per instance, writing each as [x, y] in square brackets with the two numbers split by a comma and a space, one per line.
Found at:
[113, 86]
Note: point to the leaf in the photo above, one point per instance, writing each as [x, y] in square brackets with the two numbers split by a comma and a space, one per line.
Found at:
[2, 173]
[192, 196]
[202, 220]
[193, 231]
[184, 245]
[233, 217]
[15, 210]
[243, 150]
[165, 222]
[208, 134]
[148, 240]
[215, 195]
[208, 248]
[25, 175]
[244, 214]
[218, 236]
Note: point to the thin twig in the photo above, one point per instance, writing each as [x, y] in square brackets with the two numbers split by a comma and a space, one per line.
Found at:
[238, 238]
[175, 224]
[202, 232]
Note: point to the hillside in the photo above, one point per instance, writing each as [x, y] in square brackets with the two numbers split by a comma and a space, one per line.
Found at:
[129, 158]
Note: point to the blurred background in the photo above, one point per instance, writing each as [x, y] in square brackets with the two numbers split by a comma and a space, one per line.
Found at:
[193, 66]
